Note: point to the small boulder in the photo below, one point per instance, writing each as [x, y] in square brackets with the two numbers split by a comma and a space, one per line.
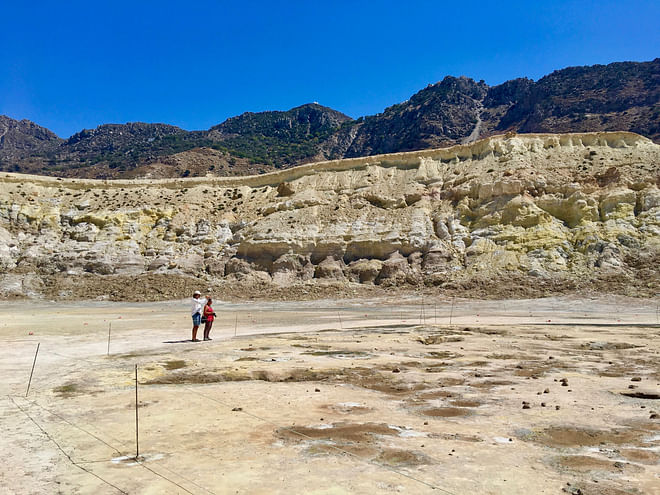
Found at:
[364, 271]
[330, 268]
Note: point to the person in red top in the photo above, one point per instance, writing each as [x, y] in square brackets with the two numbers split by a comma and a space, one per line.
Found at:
[209, 314]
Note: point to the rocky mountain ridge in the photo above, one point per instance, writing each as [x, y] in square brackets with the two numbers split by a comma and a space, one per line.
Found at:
[623, 96]
[531, 214]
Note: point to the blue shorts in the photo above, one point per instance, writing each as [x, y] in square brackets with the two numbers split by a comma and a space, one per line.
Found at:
[197, 319]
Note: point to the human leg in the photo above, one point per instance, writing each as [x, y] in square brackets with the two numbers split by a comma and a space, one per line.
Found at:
[207, 330]
[196, 321]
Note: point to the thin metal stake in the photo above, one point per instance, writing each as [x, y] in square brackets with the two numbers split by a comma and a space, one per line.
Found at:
[109, 328]
[421, 313]
[451, 312]
[236, 325]
[33, 363]
[137, 437]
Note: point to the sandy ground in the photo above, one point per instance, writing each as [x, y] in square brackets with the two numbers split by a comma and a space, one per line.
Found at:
[372, 396]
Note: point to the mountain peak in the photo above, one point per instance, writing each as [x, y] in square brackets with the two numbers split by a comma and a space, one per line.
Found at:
[614, 97]
[21, 138]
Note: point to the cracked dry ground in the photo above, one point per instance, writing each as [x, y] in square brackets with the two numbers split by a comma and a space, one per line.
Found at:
[377, 409]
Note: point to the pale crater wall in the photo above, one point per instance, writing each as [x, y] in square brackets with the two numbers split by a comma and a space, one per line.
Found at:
[538, 205]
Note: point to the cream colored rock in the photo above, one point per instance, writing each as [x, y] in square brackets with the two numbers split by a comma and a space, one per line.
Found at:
[525, 204]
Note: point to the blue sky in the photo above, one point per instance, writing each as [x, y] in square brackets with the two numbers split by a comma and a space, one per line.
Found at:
[69, 65]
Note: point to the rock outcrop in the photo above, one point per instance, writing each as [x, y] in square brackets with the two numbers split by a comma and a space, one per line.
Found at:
[540, 207]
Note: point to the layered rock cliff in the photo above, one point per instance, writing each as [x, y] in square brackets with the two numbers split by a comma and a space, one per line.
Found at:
[535, 209]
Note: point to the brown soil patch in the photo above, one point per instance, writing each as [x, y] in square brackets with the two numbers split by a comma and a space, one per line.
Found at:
[67, 390]
[435, 369]
[341, 354]
[578, 437]
[417, 364]
[616, 370]
[466, 403]
[491, 383]
[556, 338]
[476, 364]
[506, 356]
[607, 346]
[360, 377]
[451, 382]
[401, 458]
[192, 378]
[438, 339]
[584, 463]
[437, 394]
[446, 412]
[174, 365]
[441, 355]
[337, 432]
[528, 371]
[598, 488]
[641, 456]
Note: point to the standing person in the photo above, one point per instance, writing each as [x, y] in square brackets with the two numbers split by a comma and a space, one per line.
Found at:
[210, 316]
[196, 312]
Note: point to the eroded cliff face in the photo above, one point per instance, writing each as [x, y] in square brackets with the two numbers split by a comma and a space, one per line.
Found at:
[525, 207]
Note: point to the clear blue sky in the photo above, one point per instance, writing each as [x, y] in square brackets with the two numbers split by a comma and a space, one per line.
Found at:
[69, 65]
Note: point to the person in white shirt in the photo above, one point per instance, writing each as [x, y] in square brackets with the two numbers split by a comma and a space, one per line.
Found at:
[196, 312]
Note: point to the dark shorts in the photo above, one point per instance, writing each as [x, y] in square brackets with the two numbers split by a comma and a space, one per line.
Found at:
[197, 319]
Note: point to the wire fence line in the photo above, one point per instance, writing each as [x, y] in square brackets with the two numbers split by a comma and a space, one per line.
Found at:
[59, 447]
[426, 314]
[80, 463]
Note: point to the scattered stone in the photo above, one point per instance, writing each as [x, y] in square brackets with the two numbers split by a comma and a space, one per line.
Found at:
[636, 379]
[317, 390]
[235, 409]
[546, 391]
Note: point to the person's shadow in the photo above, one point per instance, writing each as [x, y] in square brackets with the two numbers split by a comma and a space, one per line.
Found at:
[177, 341]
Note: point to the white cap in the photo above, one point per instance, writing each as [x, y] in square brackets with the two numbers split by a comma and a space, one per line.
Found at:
[197, 293]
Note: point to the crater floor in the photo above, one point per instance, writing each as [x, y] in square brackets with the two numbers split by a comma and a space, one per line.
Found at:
[335, 396]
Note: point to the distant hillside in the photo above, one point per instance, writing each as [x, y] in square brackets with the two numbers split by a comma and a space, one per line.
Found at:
[619, 96]
[20, 139]
[279, 138]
